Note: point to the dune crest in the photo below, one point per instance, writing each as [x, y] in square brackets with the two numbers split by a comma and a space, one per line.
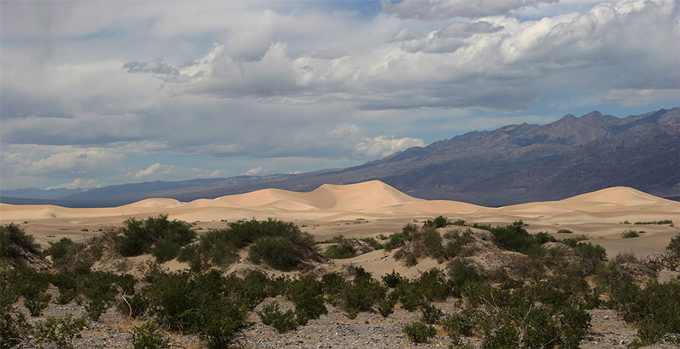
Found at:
[622, 196]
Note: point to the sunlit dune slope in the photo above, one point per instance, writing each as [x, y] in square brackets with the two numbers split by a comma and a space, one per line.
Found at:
[373, 199]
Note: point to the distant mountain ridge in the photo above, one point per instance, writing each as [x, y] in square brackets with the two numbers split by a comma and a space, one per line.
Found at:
[510, 165]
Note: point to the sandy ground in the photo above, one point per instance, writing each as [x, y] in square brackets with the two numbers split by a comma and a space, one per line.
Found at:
[369, 209]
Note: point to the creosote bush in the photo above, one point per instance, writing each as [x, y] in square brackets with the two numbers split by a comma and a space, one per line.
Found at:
[158, 235]
[280, 245]
[419, 333]
[149, 335]
[59, 331]
[271, 315]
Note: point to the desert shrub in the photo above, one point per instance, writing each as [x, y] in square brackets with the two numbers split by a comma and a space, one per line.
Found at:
[307, 295]
[411, 260]
[460, 324]
[565, 231]
[628, 234]
[362, 293]
[343, 248]
[419, 333]
[408, 233]
[219, 322]
[98, 300]
[386, 306]
[517, 317]
[133, 306]
[13, 239]
[271, 315]
[32, 285]
[149, 335]
[513, 237]
[373, 243]
[393, 279]
[590, 258]
[275, 251]
[409, 295]
[438, 222]
[674, 245]
[461, 273]
[431, 314]
[37, 303]
[432, 243]
[61, 251]
[165, 250]
[459, 222]
[13, 326]
[663, 221]
[213, 249]
[433, 285]
[139, 236]
[208, 305]
[457, 244]
[220, 247]
[333, 285]
[654, 309]
[58, 331]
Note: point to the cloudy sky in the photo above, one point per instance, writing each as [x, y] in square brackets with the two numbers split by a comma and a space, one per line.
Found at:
[97, 93]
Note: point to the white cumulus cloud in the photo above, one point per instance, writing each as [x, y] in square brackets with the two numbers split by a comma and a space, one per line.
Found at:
[383, 146]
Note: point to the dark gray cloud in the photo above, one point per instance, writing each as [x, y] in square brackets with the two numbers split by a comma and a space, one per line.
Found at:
[431, 10]
[155, 66]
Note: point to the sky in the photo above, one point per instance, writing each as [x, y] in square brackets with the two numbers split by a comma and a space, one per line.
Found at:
[96, 93]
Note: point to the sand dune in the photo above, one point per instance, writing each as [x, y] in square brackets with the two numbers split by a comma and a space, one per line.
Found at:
[372, 208]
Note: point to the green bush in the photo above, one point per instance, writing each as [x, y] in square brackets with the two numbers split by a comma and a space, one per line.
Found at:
[220, 247]
[342, 249]
[13, 239]
[386, 306]
[58, 331]
[458, 244]
[61, 251]
[433, 285]
[565, 231]
[431, 314]
[37, 303]
[408, 233]
[460, 324]
[165, 250]
[139, 236]
[461, 273]
[654, 309]
[373, 243]
[362, 293]
[13, 326]
[628, 234]
[219, 322]
[419, 333]
[674, 245]
[275, 251]
[393, 279]
[149, 336]
[307, 295]
[271, 315]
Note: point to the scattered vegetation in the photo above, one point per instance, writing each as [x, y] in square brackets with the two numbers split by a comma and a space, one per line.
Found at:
[158, 235]
[279, 245]
[541, 301]
[628, 234]
[661, 222]
[419, 333]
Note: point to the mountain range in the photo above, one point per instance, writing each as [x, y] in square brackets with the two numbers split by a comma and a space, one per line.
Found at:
[510, 165]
